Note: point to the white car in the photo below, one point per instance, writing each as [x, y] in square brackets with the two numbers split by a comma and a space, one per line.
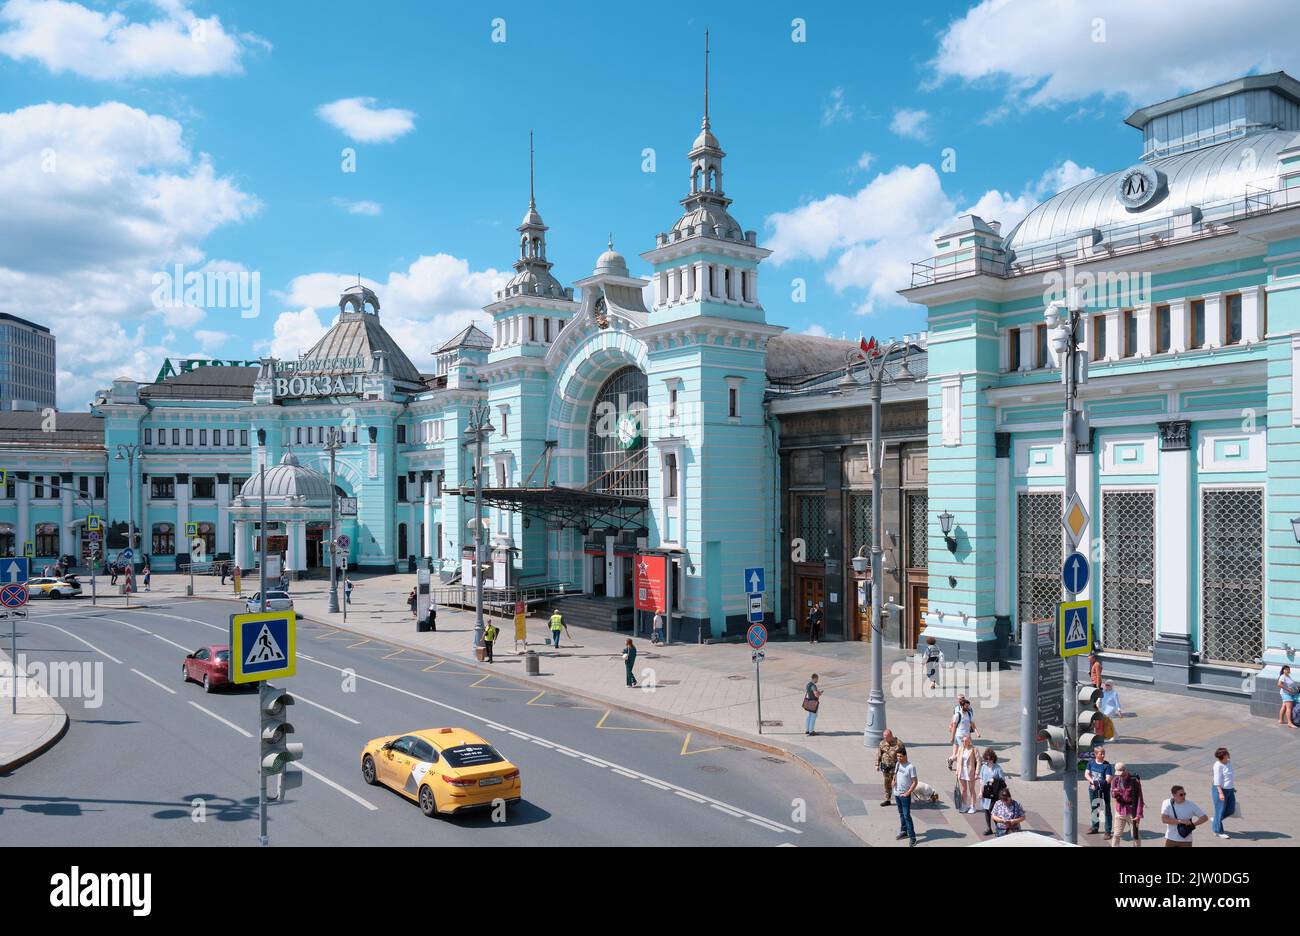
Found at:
[275, 601]
[49, 587]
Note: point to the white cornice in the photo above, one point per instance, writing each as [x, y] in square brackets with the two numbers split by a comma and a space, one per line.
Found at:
[1101, 388]
[687, 246]
[532, 301]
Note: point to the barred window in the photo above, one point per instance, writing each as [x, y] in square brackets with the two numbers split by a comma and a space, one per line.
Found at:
[164, 539]
[1232, 575]
[1128, 603]
[1040, 550]
[918, 531]
[860, 522]
[812, 525]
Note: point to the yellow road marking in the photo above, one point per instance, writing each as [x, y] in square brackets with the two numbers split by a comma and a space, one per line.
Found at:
[687, 743]
[601, 724]
[360, 643]
[433, 667]
[476, 684]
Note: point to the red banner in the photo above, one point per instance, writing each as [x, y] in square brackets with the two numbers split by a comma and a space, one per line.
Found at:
[651, 590]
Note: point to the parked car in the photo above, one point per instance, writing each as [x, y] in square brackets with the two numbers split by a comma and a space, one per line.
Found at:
[275, 601]
[50, 587]
[208, 665]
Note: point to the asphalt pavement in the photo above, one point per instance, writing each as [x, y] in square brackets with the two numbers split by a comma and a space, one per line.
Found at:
[161, 762]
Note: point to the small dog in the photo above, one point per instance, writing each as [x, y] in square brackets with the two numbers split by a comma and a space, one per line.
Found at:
[924, 793]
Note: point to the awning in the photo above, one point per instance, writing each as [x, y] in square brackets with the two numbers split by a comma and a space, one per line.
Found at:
[566, 506]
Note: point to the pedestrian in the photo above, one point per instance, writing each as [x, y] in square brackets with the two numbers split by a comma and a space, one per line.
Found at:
[1290, 691]
[557, 623]
[112, 571]
[1126, 791]
[886, 761]
[811, 703]
[967, 775]
[1181, 817]
[657, 634]
[1098, 775]
[410, 602]
[489, 637]
[815, 623]
[224, 571]
[1007, 813]
[48, 571]
[904, 787]
[629, 662]
[347, 592]
[962, 725]
[993, 781]
[145, 573]
[1094, 670]
[1110, 701]
[433, 616]
[933, 657]
[1224, 792]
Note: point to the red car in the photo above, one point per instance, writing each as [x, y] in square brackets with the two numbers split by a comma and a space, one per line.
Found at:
[208, 665]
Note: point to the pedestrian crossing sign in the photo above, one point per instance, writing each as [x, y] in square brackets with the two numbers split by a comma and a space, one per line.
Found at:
[263, 645]
[1074, 627]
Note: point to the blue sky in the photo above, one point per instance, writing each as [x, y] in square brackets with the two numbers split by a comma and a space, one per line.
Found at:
[138, 135]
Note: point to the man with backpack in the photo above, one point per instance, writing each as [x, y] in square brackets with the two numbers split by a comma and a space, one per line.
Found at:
[1126, 793]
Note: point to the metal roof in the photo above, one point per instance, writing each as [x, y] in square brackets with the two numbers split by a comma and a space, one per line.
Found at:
[211, 382]
[359, 335]
[70, 429]
[470, 336]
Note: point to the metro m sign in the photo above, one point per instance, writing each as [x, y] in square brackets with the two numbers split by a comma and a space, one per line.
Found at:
[651, 579]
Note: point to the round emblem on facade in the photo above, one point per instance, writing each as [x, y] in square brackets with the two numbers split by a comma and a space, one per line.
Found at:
[1139, 187]
[629, 430]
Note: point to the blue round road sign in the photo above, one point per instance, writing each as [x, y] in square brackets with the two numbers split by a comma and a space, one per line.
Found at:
[1075, 573]
[126, 554]
[757, 636]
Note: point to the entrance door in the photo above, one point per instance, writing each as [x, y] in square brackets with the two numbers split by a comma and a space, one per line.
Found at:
[917, 606]
[628, 586]
[401, 541]
[597, 574]
[812, 593]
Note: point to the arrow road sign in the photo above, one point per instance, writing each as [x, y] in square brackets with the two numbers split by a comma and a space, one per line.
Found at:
[755, 584]
[1075, 573]
[14, 570]
[126, 555]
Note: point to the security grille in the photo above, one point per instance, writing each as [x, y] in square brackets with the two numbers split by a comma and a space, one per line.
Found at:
[1232, 575]
[1040, 552]
[619, 465]
[918, 542]
[812, 526]
[1128, 569]
[860, 511]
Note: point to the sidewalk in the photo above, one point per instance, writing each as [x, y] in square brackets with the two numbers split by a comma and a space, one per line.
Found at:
[38, 725]
[1166, 739]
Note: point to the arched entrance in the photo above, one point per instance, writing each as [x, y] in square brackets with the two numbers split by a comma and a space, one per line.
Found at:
[616, 447]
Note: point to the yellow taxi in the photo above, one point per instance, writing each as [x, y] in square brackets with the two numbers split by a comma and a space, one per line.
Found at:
[445, 770]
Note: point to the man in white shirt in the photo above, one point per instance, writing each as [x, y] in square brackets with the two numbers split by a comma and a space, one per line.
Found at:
[1179, 810]
[904, 787]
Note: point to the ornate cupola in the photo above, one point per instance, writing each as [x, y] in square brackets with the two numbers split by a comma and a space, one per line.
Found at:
[532, 270]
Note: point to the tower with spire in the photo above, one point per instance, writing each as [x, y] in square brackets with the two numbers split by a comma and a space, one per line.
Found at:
[706, 342]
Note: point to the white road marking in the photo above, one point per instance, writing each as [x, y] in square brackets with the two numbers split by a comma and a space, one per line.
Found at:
[228, 724]
[344, 790]
[299, 697]
[182, 618]
[658, 786]
[86, 642]
[154, 681]
[173, 643]
[623, 773]
[716, 804]
[693, 799]
[593, 763]
[764, 825]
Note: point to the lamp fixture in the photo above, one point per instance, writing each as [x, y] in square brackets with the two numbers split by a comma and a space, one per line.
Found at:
[945, 525]
[1295, 528]
[860, 562]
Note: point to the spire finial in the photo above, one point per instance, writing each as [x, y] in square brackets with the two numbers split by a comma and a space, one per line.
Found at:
[611, 240]
[706, 79]
[532, 201]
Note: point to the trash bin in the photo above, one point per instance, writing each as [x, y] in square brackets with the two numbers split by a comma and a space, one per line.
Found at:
[532, 663]
[422, 624]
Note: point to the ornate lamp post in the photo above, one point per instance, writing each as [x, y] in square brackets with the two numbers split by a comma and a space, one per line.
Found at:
[128, 452]
[480, 425]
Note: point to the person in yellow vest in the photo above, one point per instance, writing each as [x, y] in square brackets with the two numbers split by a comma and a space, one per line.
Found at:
[557, 623]
[489, 637]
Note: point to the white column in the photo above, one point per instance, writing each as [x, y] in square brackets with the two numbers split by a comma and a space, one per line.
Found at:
[1213, 320]
[700, 280]
[613, 581]
[1002, 536]
[297, 530]
[427, 547]
[1251, 326]
[1178, 325]
[23, 532]
[182, 516]
[1114, 349]
[67, 542]
[1144, 324]
[241, 545]
[1174, 550]
[753, 286]
[1027, 361]
[223, 516]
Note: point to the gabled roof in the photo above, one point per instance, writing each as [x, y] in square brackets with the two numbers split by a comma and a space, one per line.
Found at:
[471, 336]
[359, 335]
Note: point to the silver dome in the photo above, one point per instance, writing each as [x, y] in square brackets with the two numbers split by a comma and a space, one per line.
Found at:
[289, 480]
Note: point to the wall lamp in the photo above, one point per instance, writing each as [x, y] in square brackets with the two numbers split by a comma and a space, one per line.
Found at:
[1295, 528]
[945, 524]
[860, 562]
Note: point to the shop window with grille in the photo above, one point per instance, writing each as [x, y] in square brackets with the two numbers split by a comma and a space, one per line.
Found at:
[1128, 595]
[1232, 575]
[918, 539]
[812, 526]
[860, 518]
[1039, 555]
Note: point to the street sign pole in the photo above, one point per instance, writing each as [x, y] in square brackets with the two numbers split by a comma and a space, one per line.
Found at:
[758, 687]
[1069, 431]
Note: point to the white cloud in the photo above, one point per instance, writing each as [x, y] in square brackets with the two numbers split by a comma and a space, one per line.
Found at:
[209, 340]
[1049, 53]
[70, 37]
[910, 123]
[877, 233]
[817, 331]
[363, 122]
[421, 307]
[105, 197]
[865, 161]
[363, 207]
[835, 109]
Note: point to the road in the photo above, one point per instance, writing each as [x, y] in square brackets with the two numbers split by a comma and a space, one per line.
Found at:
[159, 762]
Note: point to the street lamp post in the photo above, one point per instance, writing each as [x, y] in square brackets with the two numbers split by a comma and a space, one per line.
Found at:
[480, 424]
[128, 452]
[332, 446]
[875, 359]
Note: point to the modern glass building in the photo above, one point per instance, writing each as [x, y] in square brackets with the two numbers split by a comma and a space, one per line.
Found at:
[27, 358]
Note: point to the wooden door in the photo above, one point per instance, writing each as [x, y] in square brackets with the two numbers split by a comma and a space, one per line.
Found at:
[917, 607]
[812, 592]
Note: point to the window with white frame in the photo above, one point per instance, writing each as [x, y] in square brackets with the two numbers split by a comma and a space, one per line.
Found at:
[733, 396]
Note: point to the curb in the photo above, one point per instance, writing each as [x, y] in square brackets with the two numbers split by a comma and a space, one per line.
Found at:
[53, 739]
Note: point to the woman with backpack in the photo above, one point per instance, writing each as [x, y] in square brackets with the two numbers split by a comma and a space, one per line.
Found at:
[1126, 793]
[992, 782]
[1290, 691]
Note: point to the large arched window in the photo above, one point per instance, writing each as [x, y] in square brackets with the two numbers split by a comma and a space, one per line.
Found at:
[616, 446]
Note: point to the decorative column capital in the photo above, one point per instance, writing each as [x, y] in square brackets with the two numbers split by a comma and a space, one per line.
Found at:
[1175, 435]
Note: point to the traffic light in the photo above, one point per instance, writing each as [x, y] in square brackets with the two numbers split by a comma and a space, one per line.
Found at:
[1089, 700]
[1057, 747]
[277, 753]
